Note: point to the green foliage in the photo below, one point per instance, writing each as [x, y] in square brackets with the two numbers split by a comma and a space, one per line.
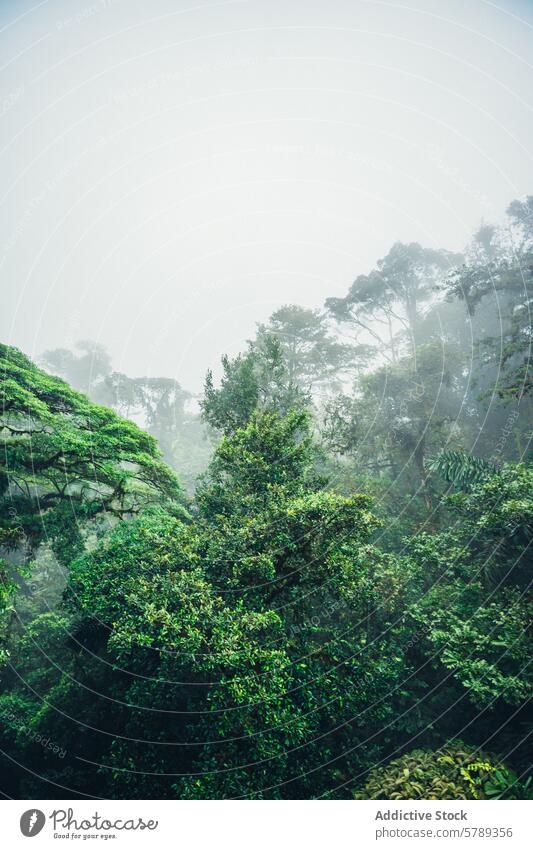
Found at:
[480, 639]
[475, 615]
[453, 772]
[327, 597]
[310, 354]
[237, 645]
[400, 414]
[65, 460]
[462, 469]
[207, 623]
[503, 269]
[496, 516]
[258, 379]
[8, 591]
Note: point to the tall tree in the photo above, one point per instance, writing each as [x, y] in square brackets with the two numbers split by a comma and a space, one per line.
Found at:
[257, 379]
[399, 415]
[386, 306]
[312, 356]
[500, 276]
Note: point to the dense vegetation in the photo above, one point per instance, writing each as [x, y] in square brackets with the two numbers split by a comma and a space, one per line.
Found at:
[340, 608]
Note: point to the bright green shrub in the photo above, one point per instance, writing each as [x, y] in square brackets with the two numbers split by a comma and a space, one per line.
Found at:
[453, 772]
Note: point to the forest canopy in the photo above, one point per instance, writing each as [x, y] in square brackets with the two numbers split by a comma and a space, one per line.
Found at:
[315, 584]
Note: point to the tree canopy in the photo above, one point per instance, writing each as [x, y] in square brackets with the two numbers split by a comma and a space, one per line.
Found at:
[341, 609]
[66, 460]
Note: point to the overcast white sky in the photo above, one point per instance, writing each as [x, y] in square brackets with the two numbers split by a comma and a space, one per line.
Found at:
[174, 170]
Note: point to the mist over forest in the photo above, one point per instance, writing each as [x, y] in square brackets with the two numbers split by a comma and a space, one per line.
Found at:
[266, 403]
[445, 334]
[310, 582]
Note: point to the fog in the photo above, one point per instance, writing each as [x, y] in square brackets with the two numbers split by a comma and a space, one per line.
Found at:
[173, 173]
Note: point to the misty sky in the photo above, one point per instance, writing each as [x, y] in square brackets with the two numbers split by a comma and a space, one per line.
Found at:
[173, 171]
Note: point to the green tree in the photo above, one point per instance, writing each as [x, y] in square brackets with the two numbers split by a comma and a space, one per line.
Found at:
[257, 379]
[499, 272]
[225, 644]
[313, 358]
[399, 415]
[65, 460]
[386, 306]
[475, 617]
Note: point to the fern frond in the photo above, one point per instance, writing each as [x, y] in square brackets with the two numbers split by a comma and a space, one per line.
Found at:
[461, 469]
